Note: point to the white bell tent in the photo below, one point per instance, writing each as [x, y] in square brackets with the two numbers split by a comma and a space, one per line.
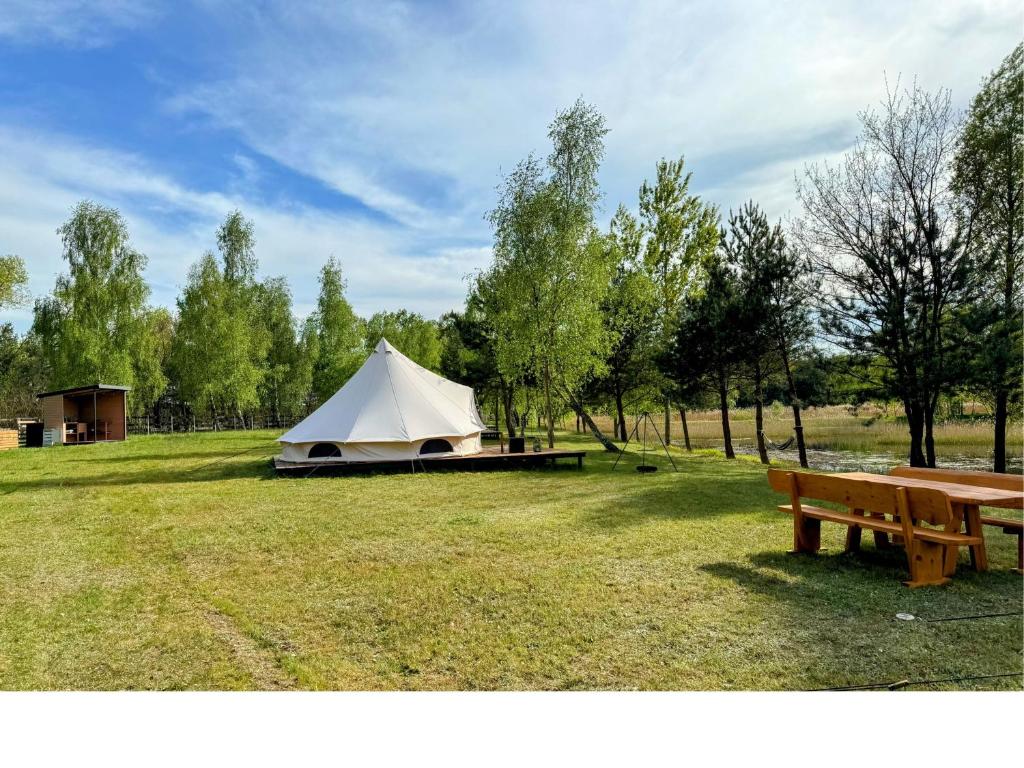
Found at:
[391, 410]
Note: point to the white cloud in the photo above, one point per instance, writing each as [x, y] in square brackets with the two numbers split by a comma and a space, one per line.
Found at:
[78, 23]
[42, 179]
[366, 101]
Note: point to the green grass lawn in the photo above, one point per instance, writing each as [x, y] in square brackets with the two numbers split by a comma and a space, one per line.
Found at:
[151, 564]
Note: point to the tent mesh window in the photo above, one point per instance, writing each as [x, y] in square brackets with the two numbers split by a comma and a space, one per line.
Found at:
[324, 451]
[436, 446]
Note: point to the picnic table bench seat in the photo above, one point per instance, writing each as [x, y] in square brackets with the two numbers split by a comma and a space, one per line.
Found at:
[1012, 528]
[880, 524]
[1008, 526]
[923, 517]
[844, 518]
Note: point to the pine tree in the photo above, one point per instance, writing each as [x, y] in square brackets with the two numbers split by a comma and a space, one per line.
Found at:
[989, 178]
[708, 345]
[776, 286]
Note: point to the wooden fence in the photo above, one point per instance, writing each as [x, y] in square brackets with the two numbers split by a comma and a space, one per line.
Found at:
[147, 425]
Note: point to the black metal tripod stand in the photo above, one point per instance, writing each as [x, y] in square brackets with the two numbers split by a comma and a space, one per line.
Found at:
[644, 418]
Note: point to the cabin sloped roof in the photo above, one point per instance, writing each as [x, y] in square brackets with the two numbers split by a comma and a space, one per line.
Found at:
[84, 390]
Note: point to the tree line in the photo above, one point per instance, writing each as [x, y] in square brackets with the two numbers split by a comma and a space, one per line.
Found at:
[902, 267]
[898, 279]
[233, 347]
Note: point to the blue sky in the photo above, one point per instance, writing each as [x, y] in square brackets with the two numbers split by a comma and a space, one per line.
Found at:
[377, 132]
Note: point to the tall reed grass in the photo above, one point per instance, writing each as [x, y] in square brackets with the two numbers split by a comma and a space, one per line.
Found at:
[837, 428]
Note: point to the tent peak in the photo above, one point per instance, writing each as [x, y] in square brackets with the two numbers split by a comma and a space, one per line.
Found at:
[385, 346]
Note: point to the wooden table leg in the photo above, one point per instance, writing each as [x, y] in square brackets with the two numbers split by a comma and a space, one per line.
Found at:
[881, 537]
[953, 551]
[897, 539]
[853, 533]
[972, 516]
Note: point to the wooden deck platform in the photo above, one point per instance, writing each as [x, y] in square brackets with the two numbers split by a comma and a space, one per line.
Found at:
[490, 458]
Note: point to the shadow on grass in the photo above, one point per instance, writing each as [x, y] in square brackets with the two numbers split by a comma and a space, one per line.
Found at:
[858, 580]
[700, 490]
[227, 469]
[806, 576]
[99, 458]
[844, 606]
[214, 465]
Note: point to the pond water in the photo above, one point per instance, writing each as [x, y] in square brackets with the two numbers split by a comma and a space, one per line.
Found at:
[879, 462]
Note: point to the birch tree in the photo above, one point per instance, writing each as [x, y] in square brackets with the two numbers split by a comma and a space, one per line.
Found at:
[629, 312]
[13, 279]
[682, 233]
[551, 269]
[415, 337]
[93, 327]
[339, 334]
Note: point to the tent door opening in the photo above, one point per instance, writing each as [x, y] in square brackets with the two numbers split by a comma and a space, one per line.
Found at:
[325, 451]
[436, 446]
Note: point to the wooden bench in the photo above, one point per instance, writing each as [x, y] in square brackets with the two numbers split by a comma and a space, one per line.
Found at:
[979, 480]
[912, 511]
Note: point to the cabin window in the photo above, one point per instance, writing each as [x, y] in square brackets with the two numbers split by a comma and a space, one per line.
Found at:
[436, 446]
[324, 451]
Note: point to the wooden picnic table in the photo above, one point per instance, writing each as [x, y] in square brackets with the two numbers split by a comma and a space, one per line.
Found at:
[965, 499]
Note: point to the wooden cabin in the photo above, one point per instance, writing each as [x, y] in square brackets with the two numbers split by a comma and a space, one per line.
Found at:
[90, 414]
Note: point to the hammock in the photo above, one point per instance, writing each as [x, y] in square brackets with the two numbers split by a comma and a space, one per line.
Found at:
[779, 446]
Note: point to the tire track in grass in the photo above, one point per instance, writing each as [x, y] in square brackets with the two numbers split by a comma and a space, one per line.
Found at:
[265, 660]
[270, 662]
